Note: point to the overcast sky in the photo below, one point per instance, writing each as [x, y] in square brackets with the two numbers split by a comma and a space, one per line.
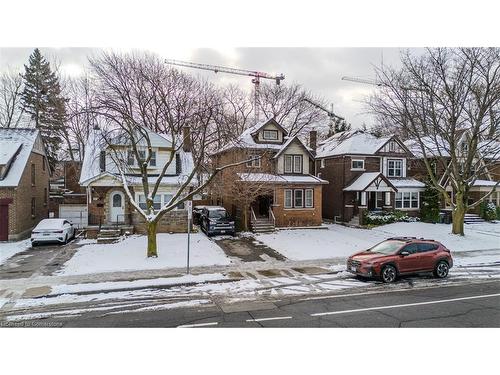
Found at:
[317, 69]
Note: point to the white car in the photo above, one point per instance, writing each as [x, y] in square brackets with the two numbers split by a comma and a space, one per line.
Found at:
[52, 230]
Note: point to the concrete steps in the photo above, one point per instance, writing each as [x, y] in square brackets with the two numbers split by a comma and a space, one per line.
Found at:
[354, 221]
[263, 226]
[108, 235]
[473, 219]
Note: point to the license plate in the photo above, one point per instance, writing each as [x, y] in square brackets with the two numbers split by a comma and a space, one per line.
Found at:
[46, 234]
[223, 231]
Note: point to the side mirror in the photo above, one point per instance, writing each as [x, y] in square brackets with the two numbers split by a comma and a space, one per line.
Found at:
[404, 253]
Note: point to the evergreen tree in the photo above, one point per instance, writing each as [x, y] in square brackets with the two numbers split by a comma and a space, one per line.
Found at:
[429, 210]
[338, 125]
[42, 100]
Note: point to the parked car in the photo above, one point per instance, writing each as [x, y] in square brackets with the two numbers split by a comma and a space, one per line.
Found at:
[401, 256]
[52, 230]
[215, 220]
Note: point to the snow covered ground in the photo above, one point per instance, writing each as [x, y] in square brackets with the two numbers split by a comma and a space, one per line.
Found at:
[9, 249]
[130, 254]
[339, 241]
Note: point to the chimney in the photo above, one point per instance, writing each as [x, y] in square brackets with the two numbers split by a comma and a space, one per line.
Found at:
[186, 143]
[313, 135]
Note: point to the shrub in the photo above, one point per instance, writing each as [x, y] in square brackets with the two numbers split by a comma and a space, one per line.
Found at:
[488, 211]
[373, 218]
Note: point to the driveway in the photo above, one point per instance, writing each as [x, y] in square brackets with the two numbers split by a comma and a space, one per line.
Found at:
[41, 260]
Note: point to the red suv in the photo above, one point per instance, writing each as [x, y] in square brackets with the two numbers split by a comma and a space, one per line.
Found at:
[399, 256]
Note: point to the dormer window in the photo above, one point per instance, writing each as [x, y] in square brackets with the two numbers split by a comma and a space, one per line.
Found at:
[270, 135]
[357, 165]
[392, 146]
[152, 161]
[293, 163]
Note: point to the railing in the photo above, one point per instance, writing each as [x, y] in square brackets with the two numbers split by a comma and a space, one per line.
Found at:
[253, 218]
[271, 216]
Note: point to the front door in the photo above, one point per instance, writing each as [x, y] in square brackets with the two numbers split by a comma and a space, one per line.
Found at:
[264, 202]
[117, 207]
[4, 222]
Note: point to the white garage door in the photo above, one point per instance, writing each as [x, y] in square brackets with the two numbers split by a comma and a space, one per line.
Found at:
[77, 214]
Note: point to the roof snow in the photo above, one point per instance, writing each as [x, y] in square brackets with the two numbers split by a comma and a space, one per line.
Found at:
[280, 179]
[485, 183]
[350, 142]
[402, 183]
[11, 139]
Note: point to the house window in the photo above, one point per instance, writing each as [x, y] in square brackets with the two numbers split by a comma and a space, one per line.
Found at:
[102, 161]
[130, 157]
[33, 207]
[357, 164]
[157, 202]
[392, 146]
[152, 161]
[43, 163]
[293, 163]
[309, 198]
[288, 163]
[407, 200]
[395, 168]
[33, 174]
[298, 198]
[142, 201]
[45, 196]
[142, 156]
[254, 161]
[167, 198]
[322, 163]
[288, 198]
[271, 135]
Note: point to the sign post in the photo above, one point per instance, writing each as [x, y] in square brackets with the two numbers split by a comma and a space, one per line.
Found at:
[190, 217]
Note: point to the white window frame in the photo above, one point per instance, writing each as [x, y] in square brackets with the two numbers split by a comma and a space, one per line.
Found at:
[394, 168]
[357, 169]
[288, 198]
[301, 163]
[270, 131]
[322, 163]
[310, 198]
[288, 158]
[403, 197]
[141, 200]
[295, 196]
[254, 162]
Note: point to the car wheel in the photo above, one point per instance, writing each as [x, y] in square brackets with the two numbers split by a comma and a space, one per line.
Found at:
[34, 244]
[65, 239]
[388, 274]
[441, 270]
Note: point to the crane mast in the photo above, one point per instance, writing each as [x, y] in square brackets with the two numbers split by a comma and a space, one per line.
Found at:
[257, 76]
[317, 105]
[362, 80]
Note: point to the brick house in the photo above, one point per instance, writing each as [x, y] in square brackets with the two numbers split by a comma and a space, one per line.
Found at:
[480, 187]
[279, 178]
[24, 182]
[107, 201]
[366, 172]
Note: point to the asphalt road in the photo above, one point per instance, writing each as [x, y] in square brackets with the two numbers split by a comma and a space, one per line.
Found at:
[467, 305]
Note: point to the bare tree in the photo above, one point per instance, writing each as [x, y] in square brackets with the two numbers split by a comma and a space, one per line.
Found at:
[287, 105]
[136, 94]
[11, 111]
[447, 101]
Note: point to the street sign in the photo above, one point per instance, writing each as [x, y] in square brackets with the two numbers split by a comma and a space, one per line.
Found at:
[189, 206]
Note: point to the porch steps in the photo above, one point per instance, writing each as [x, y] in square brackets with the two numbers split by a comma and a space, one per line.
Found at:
[263, 226]
[354, 221]
[473, 219]
[108, 235]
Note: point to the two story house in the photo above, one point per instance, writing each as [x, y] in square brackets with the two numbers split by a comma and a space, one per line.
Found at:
[365, 172]
[278, 180]
[24, 182]
[107, 201]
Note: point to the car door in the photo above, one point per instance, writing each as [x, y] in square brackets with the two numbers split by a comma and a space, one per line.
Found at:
[427, 251]
[409, 263]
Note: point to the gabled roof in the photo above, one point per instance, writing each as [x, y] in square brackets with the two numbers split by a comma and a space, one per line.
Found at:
[246, 139]
[366, 179]
[16, 145]
[280, 178]
[91, 170]
[289, 142]
[355, 142]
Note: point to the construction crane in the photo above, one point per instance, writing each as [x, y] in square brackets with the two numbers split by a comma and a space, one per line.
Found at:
[257, 76]
[362, 80]
[317, 105]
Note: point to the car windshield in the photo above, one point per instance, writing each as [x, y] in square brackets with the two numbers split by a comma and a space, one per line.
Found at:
[217, 214]
[387, 247]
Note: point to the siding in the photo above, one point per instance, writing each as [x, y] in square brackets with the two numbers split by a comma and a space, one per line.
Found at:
[296, 149]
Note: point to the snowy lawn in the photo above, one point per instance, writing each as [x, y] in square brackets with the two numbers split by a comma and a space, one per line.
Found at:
[9, 249]
[340, 241]
[130, 254]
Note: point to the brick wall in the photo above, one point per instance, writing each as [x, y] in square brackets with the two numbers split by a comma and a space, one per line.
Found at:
[297, 217]
[172, 222]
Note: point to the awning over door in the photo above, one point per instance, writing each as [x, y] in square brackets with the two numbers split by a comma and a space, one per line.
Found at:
[371, 181]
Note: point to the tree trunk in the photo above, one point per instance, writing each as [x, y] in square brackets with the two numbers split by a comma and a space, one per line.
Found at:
[152, 239]
[458, 215]
[245, 219]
